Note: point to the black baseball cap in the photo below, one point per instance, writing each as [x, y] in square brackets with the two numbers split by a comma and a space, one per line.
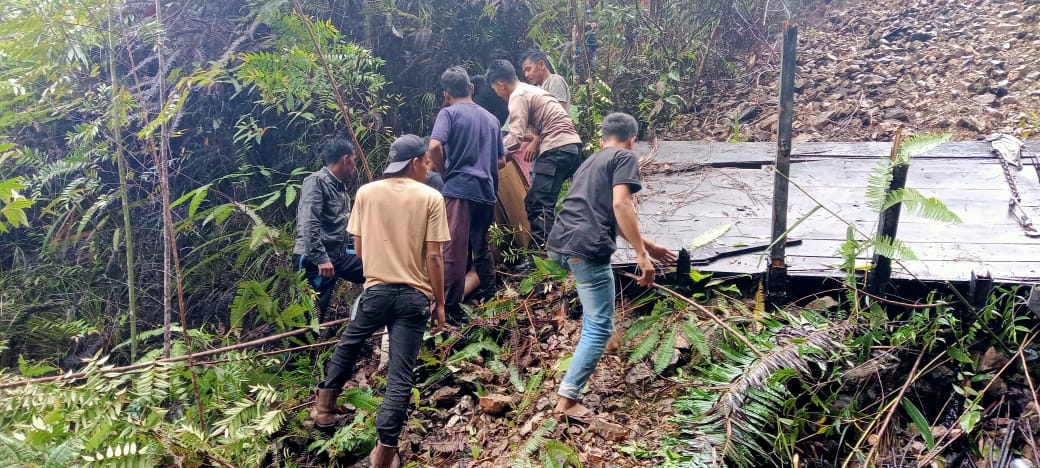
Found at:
[402, 151]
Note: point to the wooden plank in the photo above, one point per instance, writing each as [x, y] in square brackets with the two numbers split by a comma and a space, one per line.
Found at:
[680, 233]
[510, 210]
[685, 152]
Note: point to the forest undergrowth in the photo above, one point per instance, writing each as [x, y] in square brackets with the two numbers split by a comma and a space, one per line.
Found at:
[151, 156]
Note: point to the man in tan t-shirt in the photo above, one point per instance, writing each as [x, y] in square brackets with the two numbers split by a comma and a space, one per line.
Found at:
[399, 225]
[559, 146]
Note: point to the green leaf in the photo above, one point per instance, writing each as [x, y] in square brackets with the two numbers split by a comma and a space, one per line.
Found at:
[696, 337]
[916, 203]
[290, 195]
[960, 356]
[665, 351]
[197, 199]
[709, 236]
[644, 348]
[920, 422]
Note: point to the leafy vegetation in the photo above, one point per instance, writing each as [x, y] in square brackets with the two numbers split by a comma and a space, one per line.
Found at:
[131, 136]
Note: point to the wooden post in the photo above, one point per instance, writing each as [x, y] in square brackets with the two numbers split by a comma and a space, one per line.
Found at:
[888, 222]
[776, 274]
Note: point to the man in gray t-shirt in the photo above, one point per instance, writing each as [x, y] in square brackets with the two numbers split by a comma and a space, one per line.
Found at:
[538, 72]
[597, 209]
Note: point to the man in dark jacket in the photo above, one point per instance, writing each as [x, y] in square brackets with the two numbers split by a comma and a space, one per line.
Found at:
[323, 248]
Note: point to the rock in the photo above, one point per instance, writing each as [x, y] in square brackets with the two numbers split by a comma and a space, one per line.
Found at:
[889, 103]
[767, 123]
[970, 123]
[897, 114]
[639, 373]
[992, 360]
[748, 114]
[444, 394]
[821, 120]
[988, 100]
[495, 404]
[609, 431]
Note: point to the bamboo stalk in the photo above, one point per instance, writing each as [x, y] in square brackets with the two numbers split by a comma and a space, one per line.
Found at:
[144, 365]
[128, 236]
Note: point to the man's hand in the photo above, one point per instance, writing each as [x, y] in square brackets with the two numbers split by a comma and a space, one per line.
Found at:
[645, 269]
[531, 151]
[326, 270]
[659, 253]
[437, 319]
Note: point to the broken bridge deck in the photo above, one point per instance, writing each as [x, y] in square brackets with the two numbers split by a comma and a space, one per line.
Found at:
[690, 188]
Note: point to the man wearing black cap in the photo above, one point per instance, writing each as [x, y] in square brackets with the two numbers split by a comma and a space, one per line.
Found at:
[399, 225]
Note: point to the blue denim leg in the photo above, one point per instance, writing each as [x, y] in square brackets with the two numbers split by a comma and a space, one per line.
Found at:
[595, 284]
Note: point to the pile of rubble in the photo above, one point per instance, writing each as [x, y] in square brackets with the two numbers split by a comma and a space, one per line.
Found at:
[970, 68]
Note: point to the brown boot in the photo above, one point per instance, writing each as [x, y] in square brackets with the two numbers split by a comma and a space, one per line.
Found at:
[385, 456]
[325, 410]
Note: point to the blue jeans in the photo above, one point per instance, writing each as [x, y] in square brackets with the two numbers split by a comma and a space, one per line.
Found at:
[595, 284]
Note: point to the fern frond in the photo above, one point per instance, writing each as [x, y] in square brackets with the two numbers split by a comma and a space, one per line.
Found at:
[666, 351]
[919, 144]
[361, 399]
[645, 347]
[916, 203]
[877, 184]
[746, 397]
[892, 248]
[696, 337]
[557, 454]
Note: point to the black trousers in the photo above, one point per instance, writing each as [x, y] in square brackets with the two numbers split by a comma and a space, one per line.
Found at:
[347, 266]
[404, 311]
[468, 223]
[551, 169]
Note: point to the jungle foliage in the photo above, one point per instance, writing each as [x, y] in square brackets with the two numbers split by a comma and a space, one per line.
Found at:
[114, 114]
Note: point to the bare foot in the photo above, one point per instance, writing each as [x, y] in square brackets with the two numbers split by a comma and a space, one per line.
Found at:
[569, 407]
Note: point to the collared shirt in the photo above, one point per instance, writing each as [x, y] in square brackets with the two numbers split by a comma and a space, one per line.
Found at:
[534, 107]
[321, 218]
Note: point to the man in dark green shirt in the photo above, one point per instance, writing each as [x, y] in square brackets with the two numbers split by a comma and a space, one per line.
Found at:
[323, 248]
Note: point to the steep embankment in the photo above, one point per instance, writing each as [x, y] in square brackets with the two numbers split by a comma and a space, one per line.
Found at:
[865, 68]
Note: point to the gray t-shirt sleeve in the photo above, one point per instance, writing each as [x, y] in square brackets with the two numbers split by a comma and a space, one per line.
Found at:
[626, 171]
[558, 87]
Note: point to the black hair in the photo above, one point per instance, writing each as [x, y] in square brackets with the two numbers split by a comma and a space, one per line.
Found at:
[455, 81]
[485, 97]
[619, 126]
[535, 56]
[501, 70]
[335, 148]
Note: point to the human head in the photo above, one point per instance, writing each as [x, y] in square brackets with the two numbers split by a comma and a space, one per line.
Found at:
[619, 129]
[407, 158]
[455, 83]
[502, 77]
[339, 156]
[535, 66]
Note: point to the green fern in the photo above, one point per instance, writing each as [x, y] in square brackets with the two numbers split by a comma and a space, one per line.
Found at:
[556, 454]
[892, 248]
[918, 144]
[917, 204]
[743, 397]
[666, 351]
